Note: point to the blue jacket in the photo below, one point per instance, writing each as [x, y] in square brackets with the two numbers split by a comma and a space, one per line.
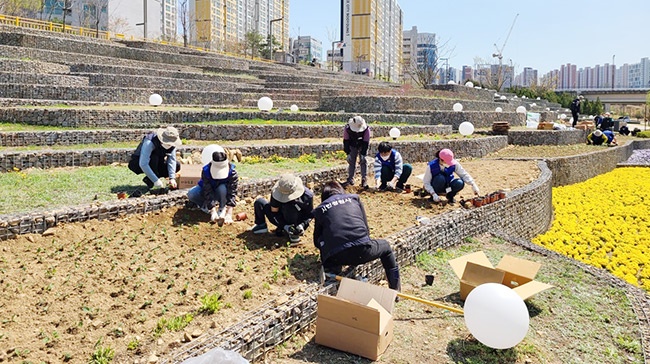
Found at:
[448, 172]
[209, 186]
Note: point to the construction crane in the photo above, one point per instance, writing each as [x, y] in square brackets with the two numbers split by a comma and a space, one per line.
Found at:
[499, 53]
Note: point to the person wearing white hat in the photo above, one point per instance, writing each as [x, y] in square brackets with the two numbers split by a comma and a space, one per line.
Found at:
[155, 156]
[217, 190]
[289, 209]
[601, 137]
[356, 138]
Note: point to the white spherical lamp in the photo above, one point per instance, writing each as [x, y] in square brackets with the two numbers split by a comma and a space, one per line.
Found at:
[498, 109]
[469, 84]
[521, 110]
[466, 128]
[155, 100]
[452, 82]
[496, 316]
[503, 98]
[294, 108]
[394, 133]
[562, 116]
[265, 103]
[458, 107]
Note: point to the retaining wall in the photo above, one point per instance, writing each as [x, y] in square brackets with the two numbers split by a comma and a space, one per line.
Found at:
[546, 137]
[203, 132]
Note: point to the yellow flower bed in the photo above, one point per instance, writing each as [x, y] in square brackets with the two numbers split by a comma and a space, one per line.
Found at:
[605, 222]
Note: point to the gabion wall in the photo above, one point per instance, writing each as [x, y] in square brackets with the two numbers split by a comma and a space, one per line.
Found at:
[546, 137]
[204, 132]
[197, 74]
[396, 104]
[411, 152]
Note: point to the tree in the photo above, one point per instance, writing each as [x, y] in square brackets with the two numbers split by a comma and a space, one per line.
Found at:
[91, 13]
[267, 50]
[423, 67]
[647, 105]
[185, 19]
[19, 7]
[119, 25]
[253, 42]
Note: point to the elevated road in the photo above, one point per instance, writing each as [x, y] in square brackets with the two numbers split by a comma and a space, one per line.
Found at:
[636, 96]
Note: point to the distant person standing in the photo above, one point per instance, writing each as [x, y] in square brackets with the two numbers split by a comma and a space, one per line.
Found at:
[356, 138]
[575, 109]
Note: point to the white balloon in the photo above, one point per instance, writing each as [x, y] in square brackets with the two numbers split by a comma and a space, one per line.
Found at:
[206, 154]
[155, 100]
[521, 110]
[458, 106]
[469, 84]
[496, 316]
[466, 128]
[394, 133]
[294, 108]
[265, 103]
[498, 109]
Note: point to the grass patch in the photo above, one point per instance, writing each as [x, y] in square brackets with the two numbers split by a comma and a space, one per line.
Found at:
[174, 324]
[210, 303]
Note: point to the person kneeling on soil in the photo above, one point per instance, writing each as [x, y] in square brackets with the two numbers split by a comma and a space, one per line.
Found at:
[155, 156]
[342, 235]
[289, 209]
[598, 137]
[439, 177]
[390, 171]
[217, 190]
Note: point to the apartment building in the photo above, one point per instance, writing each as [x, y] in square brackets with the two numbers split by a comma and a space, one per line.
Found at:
[419, 51]
[306, 48]
[372, 34]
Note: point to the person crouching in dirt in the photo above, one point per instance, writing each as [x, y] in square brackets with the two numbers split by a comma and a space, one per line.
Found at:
[155, 156]
[390, 171]
[289, 209]
[217, 190]
[598, 137]
[342, 235]
[439, 177]
[356, 138]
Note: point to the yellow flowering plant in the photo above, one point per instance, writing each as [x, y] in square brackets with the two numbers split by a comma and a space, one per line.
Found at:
[605, 222]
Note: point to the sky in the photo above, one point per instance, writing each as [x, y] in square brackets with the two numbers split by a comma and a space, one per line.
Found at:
[545, 35]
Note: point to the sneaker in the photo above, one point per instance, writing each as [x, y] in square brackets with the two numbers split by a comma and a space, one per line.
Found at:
[382, 187]
[260, 229]
[346, 184]
[294, 240]
[451, 200]
[147, 182]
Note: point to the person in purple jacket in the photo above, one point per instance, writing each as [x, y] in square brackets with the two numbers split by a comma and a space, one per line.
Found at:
[356, 138]
[342, 235]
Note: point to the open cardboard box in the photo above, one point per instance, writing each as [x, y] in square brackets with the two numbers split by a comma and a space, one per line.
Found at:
[190, 175]
[357, 320]
[519, 274]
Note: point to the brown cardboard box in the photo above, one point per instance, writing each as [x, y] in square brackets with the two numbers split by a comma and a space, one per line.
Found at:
[190, 174]
[358, 320]
[519, 274]
[545, 126]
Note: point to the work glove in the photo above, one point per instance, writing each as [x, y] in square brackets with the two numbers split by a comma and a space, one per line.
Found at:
[158, 183]
[378, 182]
[173, 184]
[214, 215]
[227, 219]
[475, 189]
[435, 197]
[297, 229]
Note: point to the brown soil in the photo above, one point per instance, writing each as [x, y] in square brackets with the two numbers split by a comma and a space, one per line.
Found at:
[101, 284]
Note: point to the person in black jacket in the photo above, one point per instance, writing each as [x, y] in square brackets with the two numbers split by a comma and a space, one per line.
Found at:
[575, 109]
[342, 235]
[155, 156]
[356, 138]
[217, 190]
[289, 209]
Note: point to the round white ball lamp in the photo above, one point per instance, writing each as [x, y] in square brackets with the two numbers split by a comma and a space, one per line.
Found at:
[451, 82]
[469, 84]
[498, 109]
[466, 128]
[394, 133]
[155, 100]
[294, 108]
[562, 116]
[503, 98]
[265, 103]
[496, 316]
[458, 107]
[533, 104]
[521, 110]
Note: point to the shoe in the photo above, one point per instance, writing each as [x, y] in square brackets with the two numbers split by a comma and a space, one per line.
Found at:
[382, 187]
[398, 190]
[451, 200]
[346, 184]
[365, 187]
[147, 182]
[294, 239]
[260, 229]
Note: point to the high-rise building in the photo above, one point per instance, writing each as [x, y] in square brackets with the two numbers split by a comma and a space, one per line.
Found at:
[306, 49]
[568, 77]
[639, 76]
[119, 16]
[372, 33]
[528, 77]
[467, 74]
[419, 52]
[222, 24]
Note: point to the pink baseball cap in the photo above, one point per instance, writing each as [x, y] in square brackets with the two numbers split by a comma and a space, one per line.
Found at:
[447, 156]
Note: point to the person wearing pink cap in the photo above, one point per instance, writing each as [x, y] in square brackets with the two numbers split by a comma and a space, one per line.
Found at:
[439, 177]
[217, 190]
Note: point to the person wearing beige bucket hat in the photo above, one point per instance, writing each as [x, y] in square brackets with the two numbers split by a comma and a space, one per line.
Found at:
[289, 209]
[217, 190]
[155, 156]
[356, 138]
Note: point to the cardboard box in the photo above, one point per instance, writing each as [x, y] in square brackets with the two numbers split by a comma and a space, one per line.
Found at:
[190, 175]
[358, 320]
[519, 274]
[545, 126]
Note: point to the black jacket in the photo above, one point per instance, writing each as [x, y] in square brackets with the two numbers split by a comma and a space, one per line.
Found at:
[297, 211]
[340, 223]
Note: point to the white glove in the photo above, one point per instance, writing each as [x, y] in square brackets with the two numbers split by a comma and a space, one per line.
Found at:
[172, 183]
[378, 182]
[158, 183]
[389, 184]
[227, 219]
[435, 197]
[214, 215]
[475, 189]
